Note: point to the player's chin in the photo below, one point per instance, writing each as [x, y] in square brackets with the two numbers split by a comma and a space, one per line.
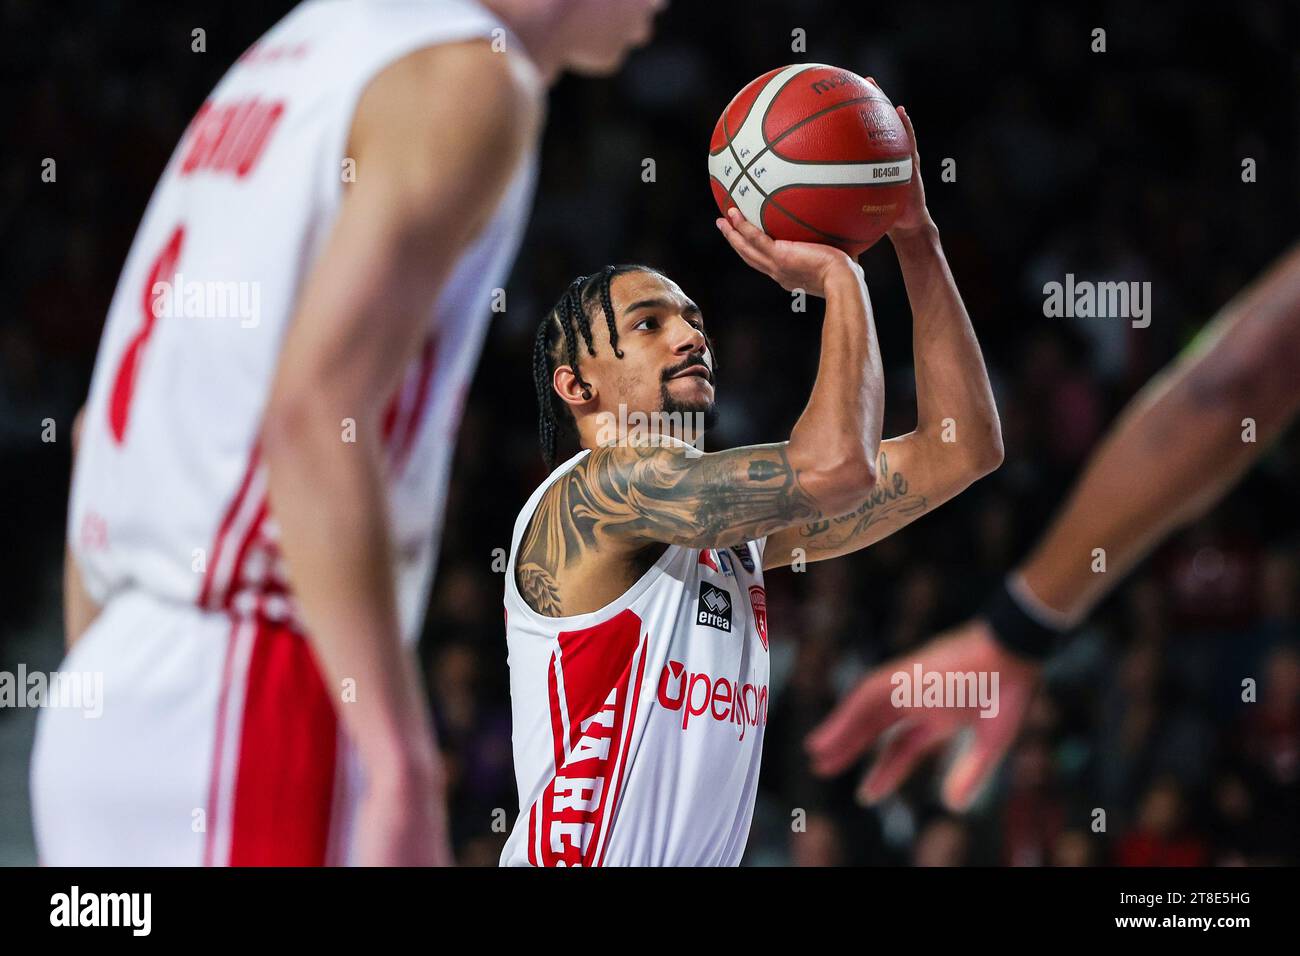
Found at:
[693, 392]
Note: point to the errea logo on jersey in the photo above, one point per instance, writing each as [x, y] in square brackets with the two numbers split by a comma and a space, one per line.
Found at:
[714, 609]
[744, 705]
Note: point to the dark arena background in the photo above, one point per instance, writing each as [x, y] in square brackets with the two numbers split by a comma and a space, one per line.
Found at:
[1127, 165]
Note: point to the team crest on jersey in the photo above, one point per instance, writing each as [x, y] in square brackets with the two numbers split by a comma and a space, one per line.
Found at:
[745, 558]
[758, 601]
[714, 609]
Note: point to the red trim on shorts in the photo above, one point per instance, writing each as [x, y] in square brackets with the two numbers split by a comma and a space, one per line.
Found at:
[214, 776]
[285, 780]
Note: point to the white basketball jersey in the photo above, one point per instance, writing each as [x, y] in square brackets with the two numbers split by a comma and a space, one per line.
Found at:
[169, 494]
[638, 728]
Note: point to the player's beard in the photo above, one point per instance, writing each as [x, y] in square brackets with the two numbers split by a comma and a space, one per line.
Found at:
[703, 414]
[669, 404]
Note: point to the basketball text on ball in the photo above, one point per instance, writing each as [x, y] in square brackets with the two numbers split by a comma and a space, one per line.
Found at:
[812, 153]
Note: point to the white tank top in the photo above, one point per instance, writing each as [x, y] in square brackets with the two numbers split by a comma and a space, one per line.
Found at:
[638, 728]
[168, 493]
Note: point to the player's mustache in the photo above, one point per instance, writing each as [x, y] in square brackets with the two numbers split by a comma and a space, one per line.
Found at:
[693, 360]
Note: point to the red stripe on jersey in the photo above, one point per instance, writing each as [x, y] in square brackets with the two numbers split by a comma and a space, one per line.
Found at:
[428, 356]
[241, 557]
[214, 559]
[557, 722]
[627, 740]
[542, 820]
[594, 661]
[533, 835]
[284, 785]
[596, 666]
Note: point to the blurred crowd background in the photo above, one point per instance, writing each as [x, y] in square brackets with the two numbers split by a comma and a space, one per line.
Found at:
[1124, 165]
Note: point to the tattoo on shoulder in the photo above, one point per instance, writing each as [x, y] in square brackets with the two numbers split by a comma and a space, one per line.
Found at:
[540, 589]
[541, 554]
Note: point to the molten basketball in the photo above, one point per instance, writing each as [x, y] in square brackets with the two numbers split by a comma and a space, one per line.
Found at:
[813, 153]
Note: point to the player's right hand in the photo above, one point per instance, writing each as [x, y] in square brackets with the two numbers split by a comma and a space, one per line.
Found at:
[794, 265]
[403, 822]
[869, 711]
[915, 217]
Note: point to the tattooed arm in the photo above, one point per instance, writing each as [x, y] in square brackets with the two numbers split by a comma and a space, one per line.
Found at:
[958, 437]
[620, 501]
[913, 477]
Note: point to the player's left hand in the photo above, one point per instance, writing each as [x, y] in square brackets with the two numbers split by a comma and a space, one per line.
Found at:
[868, 712]
[916, 216]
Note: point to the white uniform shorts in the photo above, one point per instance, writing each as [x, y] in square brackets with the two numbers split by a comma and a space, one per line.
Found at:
[217, 744]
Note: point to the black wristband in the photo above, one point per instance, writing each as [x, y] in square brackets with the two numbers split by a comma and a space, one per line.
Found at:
[1015, 629]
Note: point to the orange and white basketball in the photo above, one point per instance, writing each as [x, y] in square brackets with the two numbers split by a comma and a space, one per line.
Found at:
[813, 153]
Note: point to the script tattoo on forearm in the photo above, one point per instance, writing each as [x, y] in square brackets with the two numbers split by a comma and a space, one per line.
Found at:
[890, 499]
[645, 495]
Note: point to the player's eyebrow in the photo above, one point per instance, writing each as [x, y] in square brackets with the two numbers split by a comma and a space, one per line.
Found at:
[690, 308]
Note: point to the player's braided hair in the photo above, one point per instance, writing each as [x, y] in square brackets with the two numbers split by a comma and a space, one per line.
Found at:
[557, 344]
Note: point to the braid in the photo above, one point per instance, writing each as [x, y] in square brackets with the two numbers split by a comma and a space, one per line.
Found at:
[558, 322]
[607, 304]
[542, 383]
[572, 314]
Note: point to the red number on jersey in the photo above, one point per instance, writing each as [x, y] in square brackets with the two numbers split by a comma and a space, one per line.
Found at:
[119, 400]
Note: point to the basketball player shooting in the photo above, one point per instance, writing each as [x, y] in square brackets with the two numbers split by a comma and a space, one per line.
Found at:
[636, 611]
[1175, 451]
[257, 499]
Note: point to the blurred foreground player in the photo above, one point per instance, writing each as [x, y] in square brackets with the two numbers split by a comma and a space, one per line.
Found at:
[1176, 450]
[259, 486]
[636, 612]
